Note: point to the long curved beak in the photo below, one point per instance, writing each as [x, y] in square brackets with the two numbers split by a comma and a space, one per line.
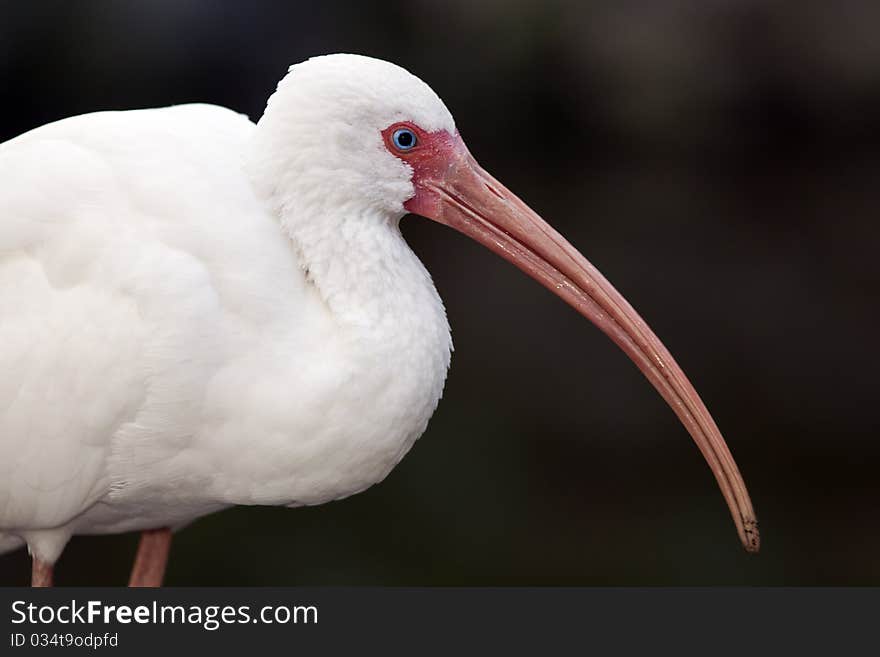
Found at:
[467, 198]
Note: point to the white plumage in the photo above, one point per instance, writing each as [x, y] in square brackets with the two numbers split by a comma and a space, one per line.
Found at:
[199, 312]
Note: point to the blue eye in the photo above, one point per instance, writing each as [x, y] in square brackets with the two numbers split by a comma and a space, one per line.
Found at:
[404, 139]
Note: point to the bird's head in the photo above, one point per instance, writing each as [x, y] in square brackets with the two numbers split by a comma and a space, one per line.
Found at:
[346, 131]
[334, 135]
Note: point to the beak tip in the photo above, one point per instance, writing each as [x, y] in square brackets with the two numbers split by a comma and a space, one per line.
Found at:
[751, 537]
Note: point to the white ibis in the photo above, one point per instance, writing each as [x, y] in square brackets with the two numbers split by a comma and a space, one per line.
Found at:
[199, 312]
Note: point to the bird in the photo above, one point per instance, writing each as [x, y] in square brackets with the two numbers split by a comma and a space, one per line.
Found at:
[199, 311]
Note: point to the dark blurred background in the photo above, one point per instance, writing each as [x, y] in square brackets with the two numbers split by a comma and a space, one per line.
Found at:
[718, 160]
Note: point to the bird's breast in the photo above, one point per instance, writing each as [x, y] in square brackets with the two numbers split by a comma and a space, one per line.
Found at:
[326, 412]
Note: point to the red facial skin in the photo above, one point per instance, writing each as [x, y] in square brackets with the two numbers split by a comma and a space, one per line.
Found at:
[452, 189]
[432, 159]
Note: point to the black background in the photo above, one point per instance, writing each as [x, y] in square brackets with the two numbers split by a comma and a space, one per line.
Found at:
[717, 161]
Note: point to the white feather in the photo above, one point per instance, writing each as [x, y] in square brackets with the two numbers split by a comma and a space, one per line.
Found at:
[197, 312]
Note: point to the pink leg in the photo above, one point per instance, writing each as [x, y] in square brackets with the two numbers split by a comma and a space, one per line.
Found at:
[151, 559]
[41, 573]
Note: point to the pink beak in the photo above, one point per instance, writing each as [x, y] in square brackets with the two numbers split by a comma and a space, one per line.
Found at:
[467, 198]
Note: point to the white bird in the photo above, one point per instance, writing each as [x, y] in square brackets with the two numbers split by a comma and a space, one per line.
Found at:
[198, 312]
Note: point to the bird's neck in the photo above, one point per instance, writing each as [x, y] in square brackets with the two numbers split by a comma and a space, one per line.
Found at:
[351, 251]
[368, 276]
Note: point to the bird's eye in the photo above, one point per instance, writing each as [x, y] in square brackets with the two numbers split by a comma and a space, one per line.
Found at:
[404, 139]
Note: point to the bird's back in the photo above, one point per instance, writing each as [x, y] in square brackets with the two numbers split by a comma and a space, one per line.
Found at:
[127, 242]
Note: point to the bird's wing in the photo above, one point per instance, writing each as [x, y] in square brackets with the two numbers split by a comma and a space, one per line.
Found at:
[102, 293]
[63, 389]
